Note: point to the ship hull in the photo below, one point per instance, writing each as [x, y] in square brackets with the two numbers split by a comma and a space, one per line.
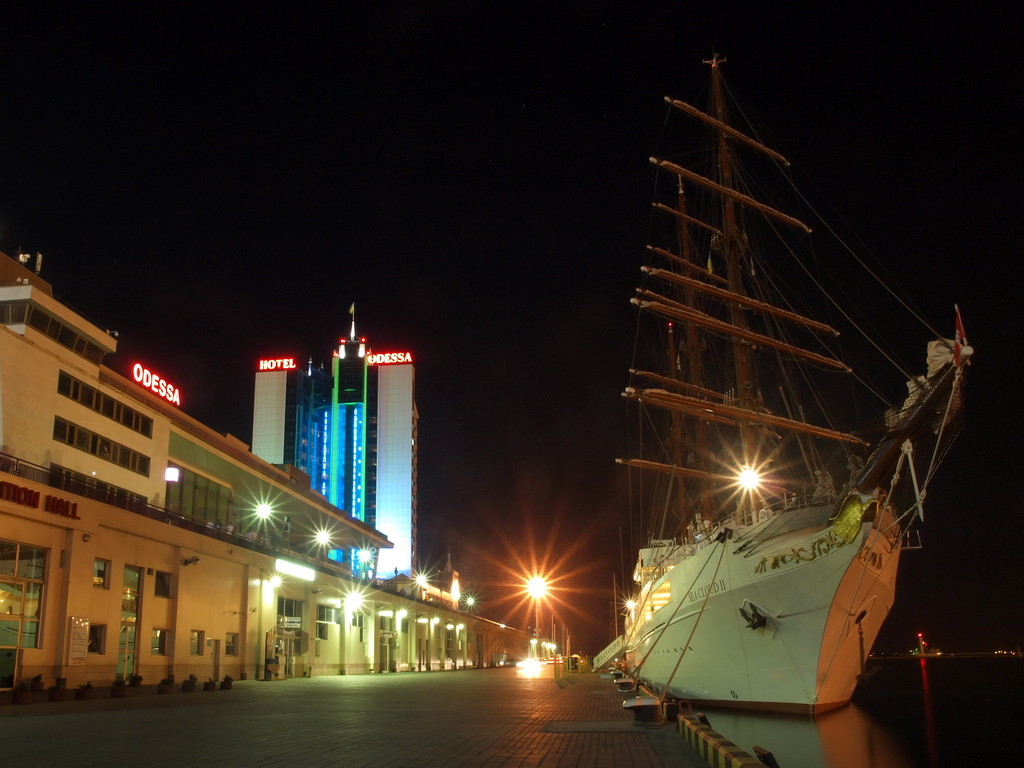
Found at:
[783, 628]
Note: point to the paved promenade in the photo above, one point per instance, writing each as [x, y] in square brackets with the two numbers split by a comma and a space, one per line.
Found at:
[493, 717]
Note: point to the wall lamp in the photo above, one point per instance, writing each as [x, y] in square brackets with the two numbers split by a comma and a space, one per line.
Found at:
[190, 560]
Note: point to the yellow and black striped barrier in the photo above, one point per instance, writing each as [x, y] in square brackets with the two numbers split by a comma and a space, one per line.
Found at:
[713, 747]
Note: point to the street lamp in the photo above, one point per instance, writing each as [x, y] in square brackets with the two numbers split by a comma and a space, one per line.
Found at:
[537, 589]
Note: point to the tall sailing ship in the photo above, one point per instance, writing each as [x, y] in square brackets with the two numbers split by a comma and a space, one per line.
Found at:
[773, 562]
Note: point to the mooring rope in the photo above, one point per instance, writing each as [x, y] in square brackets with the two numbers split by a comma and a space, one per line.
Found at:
[679, 605]
[664, 691]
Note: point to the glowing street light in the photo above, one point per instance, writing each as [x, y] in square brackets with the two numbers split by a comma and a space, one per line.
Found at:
[353, 602]
[537, 589]
[263, 510]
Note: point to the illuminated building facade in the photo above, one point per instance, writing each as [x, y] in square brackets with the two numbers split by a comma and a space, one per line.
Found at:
[292, 417]
[135, 540]
[360, 434]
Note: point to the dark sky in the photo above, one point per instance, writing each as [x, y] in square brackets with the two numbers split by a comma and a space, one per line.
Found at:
[220, 187]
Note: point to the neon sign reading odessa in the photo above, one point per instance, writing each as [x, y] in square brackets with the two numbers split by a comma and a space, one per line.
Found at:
[279, 364]
[388, 358]
[156, 384]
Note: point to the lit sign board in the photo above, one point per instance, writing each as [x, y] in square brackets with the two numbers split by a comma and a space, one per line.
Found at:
[156, 384]
[293, 569]
[26, 497]
[389, 358]
[279, 364]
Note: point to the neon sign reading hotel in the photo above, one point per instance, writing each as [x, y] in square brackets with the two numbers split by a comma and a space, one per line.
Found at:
[156, 384]
[278, 364]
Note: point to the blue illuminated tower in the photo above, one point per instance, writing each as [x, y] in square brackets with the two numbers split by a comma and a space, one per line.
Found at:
[348, 481]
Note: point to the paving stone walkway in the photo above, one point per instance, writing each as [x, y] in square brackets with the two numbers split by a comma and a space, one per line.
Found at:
[495, 717]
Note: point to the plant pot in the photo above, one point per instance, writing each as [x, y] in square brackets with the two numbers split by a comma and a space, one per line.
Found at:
[83, 694]
[165, 688]
[60, 694]
[225, 685]
[188, 687]
[38, 685]
[118, 691]
[21, 697]
[209, 685]
[134, 683]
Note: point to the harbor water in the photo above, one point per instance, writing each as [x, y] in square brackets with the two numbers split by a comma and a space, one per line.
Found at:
[935, 712]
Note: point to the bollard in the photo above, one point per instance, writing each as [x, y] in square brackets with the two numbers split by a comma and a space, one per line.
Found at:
[765, 757]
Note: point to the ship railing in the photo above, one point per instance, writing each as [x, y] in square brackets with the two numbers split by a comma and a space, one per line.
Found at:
[749, 517]
[672, 558]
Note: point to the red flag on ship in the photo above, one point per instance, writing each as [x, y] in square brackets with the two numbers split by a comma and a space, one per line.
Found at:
[960, 340]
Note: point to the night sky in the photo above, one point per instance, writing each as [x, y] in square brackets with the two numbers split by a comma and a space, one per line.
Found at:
[219, 188]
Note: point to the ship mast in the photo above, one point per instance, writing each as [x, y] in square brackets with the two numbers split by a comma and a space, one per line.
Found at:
[732, 244]
[708, 307]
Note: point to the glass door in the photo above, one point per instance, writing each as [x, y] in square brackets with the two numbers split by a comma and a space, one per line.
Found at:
[126, 655]
[126, 652]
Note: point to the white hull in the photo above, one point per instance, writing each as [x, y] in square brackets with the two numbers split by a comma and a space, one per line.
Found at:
[811, 587]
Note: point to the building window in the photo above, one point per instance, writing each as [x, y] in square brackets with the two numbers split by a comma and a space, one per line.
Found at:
[86, 440]
[162, 584]
[97, 401]
[231, 644]
[97, 638]
[200, 498]
[63, 335]
[195, 643]
[13, 314]
[101, 573]
[357, 621]
[22, 572]
[325, 616]
[286, 606]
[130, 594]
[159, 643]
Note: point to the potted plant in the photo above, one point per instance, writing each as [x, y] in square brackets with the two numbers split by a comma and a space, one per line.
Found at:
[210, 684]
[22, 693]
[225, 684]
[166, 685]
[57, 691]
[84, 691]
[135, 681]
[37, 683]
[189, 685]
[119, 689]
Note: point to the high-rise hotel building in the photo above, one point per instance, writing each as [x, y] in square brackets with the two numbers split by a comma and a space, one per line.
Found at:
[354, 432]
